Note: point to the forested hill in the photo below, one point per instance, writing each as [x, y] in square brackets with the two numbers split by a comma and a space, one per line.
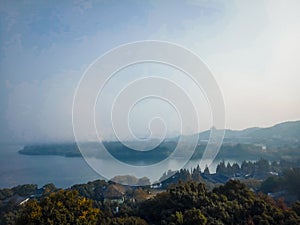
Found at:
[187, 203]
[281, 141]
[279, 134]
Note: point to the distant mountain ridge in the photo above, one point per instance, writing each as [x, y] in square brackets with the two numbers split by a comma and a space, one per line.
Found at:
[285, 136]
[282, 132]
[288, 130]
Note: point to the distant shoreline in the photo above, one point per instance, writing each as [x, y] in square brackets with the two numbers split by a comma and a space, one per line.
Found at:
[66, 150]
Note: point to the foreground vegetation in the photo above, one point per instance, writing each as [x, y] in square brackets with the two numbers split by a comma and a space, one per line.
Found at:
[183, 203]
[251, 193]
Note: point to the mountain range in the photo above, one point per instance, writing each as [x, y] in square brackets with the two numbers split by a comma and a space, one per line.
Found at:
[279, 135]
[276, 142]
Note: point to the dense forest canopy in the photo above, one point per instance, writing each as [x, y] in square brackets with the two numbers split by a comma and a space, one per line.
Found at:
[187, 202]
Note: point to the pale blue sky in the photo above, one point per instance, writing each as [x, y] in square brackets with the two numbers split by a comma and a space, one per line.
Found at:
[251, 47]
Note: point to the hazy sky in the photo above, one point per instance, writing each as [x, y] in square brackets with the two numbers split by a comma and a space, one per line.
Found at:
[252, 48]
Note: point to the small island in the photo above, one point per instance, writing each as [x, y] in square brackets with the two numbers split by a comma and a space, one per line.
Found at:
[64, 149]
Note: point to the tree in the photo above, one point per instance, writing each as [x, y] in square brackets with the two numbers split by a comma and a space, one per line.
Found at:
[196, 176]
[296, 207]
[271, 184]
[194, 216]
[247, 167]
[127, 221]
[263, 166]
[206, 170]
[235, 168]
[292, 181]
[62, 207]
[221, 168]
[48, 188]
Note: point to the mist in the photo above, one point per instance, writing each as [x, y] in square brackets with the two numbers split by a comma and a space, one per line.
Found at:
[254, 57]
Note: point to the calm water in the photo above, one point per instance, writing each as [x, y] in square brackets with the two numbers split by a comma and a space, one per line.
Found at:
[18, 169]
[22, 169]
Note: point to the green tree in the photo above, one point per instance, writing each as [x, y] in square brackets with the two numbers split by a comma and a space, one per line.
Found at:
[292, 181]
[62, 207]
[194, 216]
[296, 207]
[206, 170]
[127, 221]
[271, 184]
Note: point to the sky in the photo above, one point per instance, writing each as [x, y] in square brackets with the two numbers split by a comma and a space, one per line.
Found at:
[251, 47]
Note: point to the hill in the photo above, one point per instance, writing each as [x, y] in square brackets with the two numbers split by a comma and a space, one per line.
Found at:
[280, 135]
[281, 141]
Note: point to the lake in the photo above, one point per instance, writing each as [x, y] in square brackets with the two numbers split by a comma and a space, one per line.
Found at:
[18, 169]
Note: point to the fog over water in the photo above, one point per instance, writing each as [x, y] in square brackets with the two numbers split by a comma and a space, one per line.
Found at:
[254, 58]
[251, 48]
